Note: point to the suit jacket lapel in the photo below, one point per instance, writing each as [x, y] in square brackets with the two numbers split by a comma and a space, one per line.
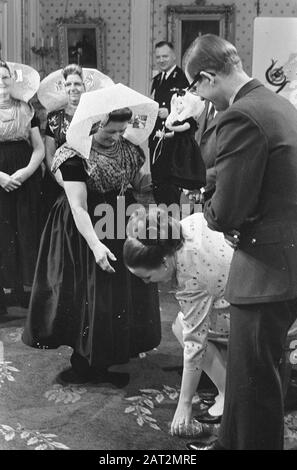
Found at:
[202, 122]
[211, 125]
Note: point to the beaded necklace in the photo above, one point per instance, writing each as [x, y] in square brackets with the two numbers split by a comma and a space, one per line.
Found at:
[114, 151]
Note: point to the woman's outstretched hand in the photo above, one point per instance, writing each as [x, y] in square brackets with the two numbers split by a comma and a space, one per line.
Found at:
[181, 419]
[102, 255]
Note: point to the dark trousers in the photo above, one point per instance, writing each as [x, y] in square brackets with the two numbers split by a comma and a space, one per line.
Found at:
[253, 415]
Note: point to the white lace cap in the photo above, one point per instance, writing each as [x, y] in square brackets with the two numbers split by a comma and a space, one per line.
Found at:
[94, 108]
[52, 94]
[25, 83]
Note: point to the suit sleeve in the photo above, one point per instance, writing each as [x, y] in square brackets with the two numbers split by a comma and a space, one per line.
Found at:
[242, 153]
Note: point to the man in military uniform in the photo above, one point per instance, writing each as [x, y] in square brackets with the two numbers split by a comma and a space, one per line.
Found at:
[164, 85]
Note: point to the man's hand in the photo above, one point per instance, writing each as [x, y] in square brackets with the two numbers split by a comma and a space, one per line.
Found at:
[232, 238]
[163, 113]
[195, 195]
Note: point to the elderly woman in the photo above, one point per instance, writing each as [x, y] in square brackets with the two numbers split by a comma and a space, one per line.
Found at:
[62, 91]
[21, 153]
[160, 248]
[83, 296]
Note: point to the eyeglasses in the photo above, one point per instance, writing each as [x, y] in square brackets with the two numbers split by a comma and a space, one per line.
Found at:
[198, 77]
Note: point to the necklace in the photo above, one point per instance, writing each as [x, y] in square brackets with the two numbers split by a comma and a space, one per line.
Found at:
[110, 151]
[115, 152]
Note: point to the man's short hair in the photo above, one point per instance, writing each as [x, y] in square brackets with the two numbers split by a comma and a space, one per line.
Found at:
[164, 43]
[211, 52]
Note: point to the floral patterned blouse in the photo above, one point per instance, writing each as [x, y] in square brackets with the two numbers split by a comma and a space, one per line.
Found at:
[203, 264]
[57, 125]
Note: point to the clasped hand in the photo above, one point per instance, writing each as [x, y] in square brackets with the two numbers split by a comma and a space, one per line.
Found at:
[102, 254]
[9, 182]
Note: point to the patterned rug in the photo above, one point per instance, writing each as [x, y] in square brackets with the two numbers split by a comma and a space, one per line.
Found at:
[38, 413]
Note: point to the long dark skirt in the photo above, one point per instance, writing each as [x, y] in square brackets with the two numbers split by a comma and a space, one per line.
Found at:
[20, 222]
[51, 190]
[106, 318]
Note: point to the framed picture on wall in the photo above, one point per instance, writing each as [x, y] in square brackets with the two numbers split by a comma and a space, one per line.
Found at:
[82, 41]
[186, 23]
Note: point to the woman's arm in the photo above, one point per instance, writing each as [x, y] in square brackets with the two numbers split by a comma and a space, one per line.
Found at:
[50, 148]
[36, 158]
[76, 192]
[8, 183]
[183, 412]
[191, 328]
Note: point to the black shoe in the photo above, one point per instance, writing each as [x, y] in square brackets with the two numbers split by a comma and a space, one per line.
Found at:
[208, 401]
[199, 445]
[208, 418]
[118, 379]
[70, 376]
[201, 409]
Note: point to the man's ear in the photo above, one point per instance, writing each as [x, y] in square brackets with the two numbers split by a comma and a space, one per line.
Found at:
[209, 77]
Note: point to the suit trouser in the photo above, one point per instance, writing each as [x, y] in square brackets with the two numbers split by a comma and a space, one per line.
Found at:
[253, 415]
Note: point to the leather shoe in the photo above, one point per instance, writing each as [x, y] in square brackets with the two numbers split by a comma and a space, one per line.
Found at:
[70, 376]
[208, 418]
[208, 401]
[201, 408]
[199, 445]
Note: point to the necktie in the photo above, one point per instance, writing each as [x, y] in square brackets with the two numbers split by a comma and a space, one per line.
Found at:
[210, 115]
[163, 78]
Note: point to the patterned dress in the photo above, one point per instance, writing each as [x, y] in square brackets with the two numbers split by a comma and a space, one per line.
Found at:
[20, 210]
[203, 265]
[106, 318]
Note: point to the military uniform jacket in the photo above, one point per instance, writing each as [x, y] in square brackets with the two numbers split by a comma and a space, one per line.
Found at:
[163, 91]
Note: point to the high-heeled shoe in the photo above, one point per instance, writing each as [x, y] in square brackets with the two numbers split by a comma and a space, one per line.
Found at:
[208, 418]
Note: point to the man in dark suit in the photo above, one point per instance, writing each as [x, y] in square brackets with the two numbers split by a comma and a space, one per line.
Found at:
[164, 85]
[206, 139]
[255, 201]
